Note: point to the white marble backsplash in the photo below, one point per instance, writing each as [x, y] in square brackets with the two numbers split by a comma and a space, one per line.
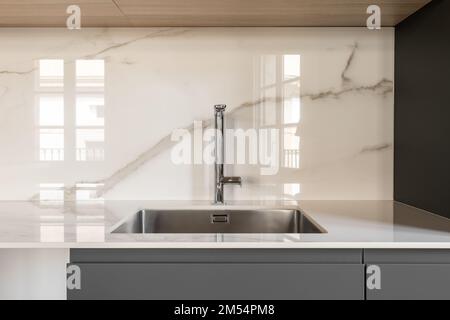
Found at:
[89, 114]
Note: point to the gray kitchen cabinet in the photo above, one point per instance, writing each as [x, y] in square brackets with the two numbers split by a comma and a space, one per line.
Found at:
[219, 274]
[219, 281]
[410, 274]
[260, 274]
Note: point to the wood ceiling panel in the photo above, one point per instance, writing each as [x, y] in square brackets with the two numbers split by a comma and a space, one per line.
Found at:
[52, 13]
[263, 12]
[149, 13]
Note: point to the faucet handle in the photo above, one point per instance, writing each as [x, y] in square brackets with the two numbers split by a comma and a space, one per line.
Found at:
[220, 107]
[232, 180]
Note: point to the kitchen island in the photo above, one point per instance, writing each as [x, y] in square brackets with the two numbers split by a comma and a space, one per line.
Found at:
[402, 241]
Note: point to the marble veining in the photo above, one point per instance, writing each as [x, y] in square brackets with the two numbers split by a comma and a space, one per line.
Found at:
[157, 80]
[165, 32]
[165, 143]
[383, 87]
[376, 148]
[348, 64]
[17, 73]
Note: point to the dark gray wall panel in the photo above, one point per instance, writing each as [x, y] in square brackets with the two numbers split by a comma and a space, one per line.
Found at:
[422, 109]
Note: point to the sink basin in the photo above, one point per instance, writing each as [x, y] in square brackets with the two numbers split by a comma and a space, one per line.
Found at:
[219, 221]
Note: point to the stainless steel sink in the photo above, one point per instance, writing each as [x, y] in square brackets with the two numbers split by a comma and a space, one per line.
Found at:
[219, 221]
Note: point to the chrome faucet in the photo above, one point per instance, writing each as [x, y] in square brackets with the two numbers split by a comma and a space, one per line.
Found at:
[220, 179]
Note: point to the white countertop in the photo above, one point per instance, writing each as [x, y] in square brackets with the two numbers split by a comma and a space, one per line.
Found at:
[349, 224]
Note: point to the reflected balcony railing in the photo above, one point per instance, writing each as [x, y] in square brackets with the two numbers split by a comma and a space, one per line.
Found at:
[292, 158]
[90, 154]
[51, 154]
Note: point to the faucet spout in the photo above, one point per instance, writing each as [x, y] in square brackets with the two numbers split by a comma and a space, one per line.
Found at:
[220, 179]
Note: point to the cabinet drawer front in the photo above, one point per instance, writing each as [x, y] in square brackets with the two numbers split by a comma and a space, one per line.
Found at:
[402, 256]
[413, 282]
[219, 281]
[314, 256]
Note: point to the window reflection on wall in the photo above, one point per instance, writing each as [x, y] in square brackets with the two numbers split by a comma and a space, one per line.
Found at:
[291, 189]
[90, 135]
[291, 110]
[51, 226]
[281, 102]
[51, 193]
[51, 73]
[51, 144]
[71, 110]
[90, 110]
[50, 110]
[291, 103]
[90, 144]
[90, 232]
[51, 127]
[88, 192]
[291, 144]
[90, 74]
[54, 194]
[51, 232]
[269, 90]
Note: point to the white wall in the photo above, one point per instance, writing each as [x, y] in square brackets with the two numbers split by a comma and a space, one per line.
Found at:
[30, 274]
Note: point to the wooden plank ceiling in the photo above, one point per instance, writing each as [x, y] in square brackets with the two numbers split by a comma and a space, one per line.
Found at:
[193, 13]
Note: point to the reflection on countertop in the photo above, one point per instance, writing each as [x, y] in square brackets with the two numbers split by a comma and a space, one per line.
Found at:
[350, 224]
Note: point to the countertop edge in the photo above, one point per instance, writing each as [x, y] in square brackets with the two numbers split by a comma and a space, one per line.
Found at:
[241, 245]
